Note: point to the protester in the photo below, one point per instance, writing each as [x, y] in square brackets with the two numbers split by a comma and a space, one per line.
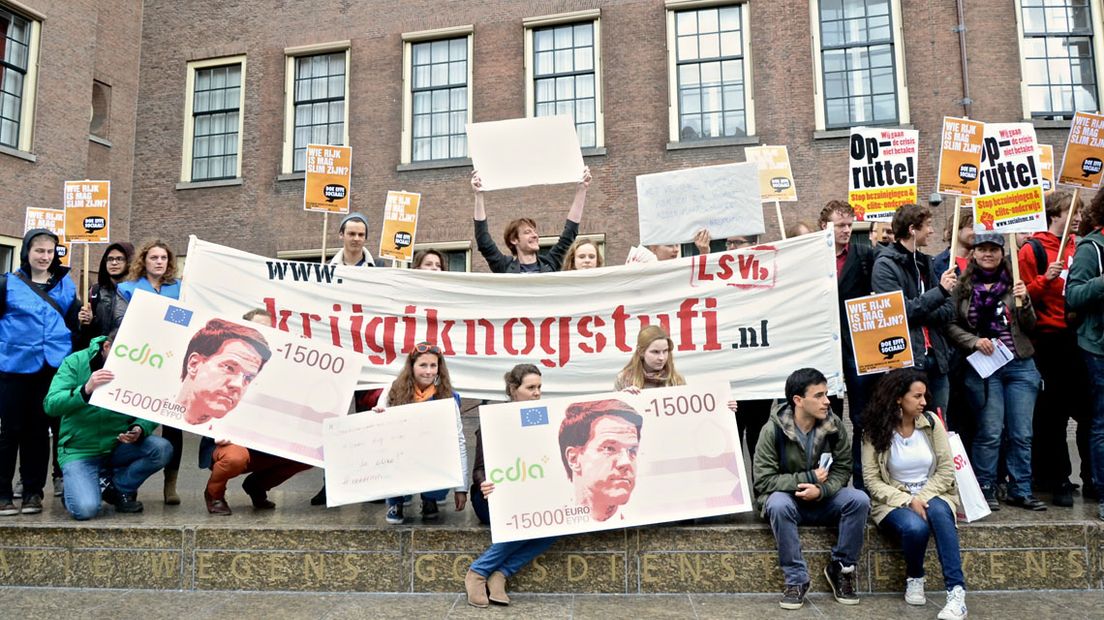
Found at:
[987, 312]
[669, 251]
[802, 464]
[963, 246]
[104, 301]
[903, 267]
[652, 364]
[521, 235]
[353, 232]
[39, 315]
[583, 254]
[105, 455]
[797, 229]
[910, 475]
[424, 377]
[1065, 392]
[1085, 295]
[429, 260]
[881, 234]
[485, 581]
[228, 461]
[154, 270]
[738, 242]
[854, 263]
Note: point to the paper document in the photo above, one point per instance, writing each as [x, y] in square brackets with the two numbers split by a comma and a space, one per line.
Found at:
[986, 365]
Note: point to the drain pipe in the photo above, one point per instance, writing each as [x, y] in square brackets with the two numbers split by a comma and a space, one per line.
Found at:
[961, 30]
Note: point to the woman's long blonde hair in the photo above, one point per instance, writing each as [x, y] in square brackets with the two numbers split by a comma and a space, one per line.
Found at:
[633, 372]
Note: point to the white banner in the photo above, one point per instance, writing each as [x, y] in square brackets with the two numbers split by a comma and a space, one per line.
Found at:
[673, 206]
[217, 375]
[521, 152]
[402, 451]
[750, 316]
[565, 466]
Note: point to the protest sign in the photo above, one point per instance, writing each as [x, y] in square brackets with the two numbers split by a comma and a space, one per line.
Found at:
[404, 450]
[882, 173]
[400, 223]
[960, 156]
[879, 332]
[87, 211]
[1046, 167]
[328, 175]
[673, 206]
[612, 460]
[526, 151]
[753, 315]
[1010, 198]
[1083, 159]
[52, 220]
[220, 376]
[776, 181]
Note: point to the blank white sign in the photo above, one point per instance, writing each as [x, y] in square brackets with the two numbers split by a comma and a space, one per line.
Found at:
[525, 151]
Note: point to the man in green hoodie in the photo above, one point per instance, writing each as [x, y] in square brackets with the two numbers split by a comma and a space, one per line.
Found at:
[801, 467]
[97, 443]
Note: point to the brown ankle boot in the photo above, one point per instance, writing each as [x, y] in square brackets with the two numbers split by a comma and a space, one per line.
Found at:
[476, 586]
[171, 498]
[496, 584]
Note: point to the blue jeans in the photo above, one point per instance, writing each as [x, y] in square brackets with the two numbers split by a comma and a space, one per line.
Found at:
[129, 465]
[849, 508]
[1004, 403]
[912, 531]
[428, 496]
[1096, 439]
[510, 557]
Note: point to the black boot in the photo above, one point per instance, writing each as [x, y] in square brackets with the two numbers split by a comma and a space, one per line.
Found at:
[319, 498]
[128, 502]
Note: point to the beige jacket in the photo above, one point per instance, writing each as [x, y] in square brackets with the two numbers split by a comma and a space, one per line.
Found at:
[887, 494]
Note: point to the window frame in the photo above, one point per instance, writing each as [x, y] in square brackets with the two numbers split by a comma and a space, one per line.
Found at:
[673, 133]
[444, 247]
[25, 140]
[531, 24]
[1096, 18]
[189, 118]
[406, 148]
[900, 70]
[291, 54]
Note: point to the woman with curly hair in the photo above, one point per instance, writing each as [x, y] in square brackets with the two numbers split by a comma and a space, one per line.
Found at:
[425, 377]
[583, 254]
[908, 470]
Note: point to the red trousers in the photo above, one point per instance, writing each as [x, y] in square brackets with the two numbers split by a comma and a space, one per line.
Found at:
[267, 471]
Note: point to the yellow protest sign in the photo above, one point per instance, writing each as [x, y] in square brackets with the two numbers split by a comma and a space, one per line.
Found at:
[1083, 161]
[883, 172]
[52, 220]
[400, 223]
[87, 211]
[1010, 197]
[960, 156]
[1046, 167]
[879, 332]
[776, 182]
[328, 171]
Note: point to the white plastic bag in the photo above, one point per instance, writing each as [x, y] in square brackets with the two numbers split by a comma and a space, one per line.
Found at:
[971, 502]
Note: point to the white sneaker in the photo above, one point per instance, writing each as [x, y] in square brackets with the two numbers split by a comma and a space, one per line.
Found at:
[914, 591]
[955, 609]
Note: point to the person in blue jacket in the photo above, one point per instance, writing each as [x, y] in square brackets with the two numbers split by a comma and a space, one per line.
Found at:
[39, 313]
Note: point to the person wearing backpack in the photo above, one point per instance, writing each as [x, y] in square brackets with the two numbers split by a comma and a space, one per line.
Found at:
[1065, 391]
[1085, 296]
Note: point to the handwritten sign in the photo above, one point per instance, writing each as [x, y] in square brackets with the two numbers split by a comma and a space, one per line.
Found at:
[400, 223]
[328, 175]
[879, 332]
[776, 180]
[960, 156]
[1010, 197]
[883, 172]
[1083, 160]
[87, 211]
[52, 220]
[674, 206]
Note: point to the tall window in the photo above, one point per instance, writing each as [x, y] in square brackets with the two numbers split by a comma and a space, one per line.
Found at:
[1059, 64]
[439, 90]
[16, 70]
[564, 76]
[709, 59]
[216, 117]
[319, 104]
[858, 62]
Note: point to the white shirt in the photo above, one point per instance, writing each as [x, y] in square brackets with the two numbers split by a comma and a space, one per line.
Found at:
[910, 460]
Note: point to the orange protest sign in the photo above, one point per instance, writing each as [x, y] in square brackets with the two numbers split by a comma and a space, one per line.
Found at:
[883, 172]
[328, 171]
[776, 182]
[1083, 161]
[1010, 198]
[400, 223]
[879, 332]
[960, 156]
[1046, 167]
[52, 220]
[87, 211]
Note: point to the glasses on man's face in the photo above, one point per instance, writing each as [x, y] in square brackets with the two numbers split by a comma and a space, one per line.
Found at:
[116, 259]
[425, 347]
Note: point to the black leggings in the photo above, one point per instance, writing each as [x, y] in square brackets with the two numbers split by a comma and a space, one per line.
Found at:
[175, 437]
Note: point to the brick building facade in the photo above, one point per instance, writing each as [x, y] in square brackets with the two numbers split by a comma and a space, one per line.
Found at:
[778, 60]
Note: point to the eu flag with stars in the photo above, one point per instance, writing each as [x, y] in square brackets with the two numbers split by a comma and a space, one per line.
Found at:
[178, 315]
[534, 416]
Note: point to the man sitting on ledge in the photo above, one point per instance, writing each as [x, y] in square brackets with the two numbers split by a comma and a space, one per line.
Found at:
[105, 456]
